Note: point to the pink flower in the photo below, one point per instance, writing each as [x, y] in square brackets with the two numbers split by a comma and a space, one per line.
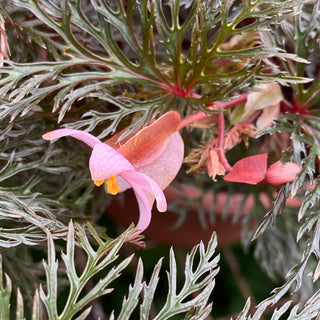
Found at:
[144, 163]
[253, 170]
[106, 164]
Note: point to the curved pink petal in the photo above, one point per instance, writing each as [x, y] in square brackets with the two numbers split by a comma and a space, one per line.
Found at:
[144, 209]
[83, 136]
[123, 184]
[145, 190]
[249, 170]
[141, 180]
[106, 162]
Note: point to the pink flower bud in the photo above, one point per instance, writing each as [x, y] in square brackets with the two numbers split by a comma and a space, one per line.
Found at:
[279, 173]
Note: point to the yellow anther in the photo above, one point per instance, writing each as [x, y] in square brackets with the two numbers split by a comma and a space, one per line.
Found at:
[111, 185]
[98, 183]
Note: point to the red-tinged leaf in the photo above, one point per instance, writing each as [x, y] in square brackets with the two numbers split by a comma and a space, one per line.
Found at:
[249, 170]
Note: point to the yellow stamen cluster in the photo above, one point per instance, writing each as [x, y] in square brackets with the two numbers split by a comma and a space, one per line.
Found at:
[111, 185]
[98, 183]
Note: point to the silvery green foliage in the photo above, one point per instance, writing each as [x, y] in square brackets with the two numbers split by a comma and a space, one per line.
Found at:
[104, 51]
[191, 299]
[301, 228]
[30, 195]
[198, 280]
[302, 35]
[306, 232]
[114, 67]
[310, 310]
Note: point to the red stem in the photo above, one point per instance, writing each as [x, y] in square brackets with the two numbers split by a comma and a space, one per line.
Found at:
[222, 105]
[228, 104]
[191, 119]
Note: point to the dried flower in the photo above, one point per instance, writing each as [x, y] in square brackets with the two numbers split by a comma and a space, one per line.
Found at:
[214, 166]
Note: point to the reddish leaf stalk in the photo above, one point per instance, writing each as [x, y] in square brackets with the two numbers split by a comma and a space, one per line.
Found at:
[191, 119]
[223, 105]
[228, 104]
[298, 108]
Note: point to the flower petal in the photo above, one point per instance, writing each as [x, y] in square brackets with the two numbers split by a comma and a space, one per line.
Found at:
[141, 180]
[147, 140]
[144, 188]
[144, 209]
[106, 162]
[164, 166]
[83, 136]
[124, 184]
[249, 170]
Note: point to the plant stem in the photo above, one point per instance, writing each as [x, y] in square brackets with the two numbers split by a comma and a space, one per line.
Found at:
[191, 119]
[224, 105]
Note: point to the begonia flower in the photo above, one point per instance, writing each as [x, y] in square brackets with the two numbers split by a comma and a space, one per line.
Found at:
[253, 170]
[135, 164]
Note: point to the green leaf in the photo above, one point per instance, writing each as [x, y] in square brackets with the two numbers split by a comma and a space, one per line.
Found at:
[130, 303]
[277, 208]
[149, 291]
[126, 107]
[5, 293]
[49, 298]
[202, 278]
[141, 44]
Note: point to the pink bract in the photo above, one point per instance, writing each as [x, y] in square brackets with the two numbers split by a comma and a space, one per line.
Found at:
[253, 170]
[249, 170]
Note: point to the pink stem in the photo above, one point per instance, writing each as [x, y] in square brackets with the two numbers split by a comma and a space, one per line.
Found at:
[191, 119]
[228, 104]
[220, 104]
[253, 117]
